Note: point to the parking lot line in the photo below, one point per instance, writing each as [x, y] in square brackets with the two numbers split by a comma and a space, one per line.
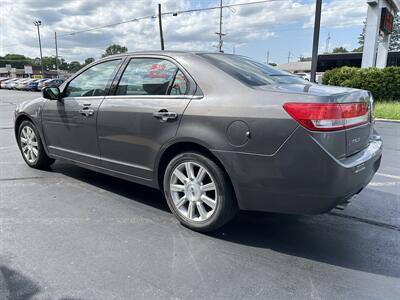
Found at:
[388, 176]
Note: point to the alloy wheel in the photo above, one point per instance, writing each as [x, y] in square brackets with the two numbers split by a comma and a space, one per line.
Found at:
[193, 191]
[29, 144]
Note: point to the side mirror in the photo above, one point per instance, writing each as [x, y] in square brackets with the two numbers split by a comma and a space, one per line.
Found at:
[51, 93]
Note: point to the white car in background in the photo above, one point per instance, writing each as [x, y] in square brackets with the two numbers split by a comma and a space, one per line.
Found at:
[12, 83]
[305, 76]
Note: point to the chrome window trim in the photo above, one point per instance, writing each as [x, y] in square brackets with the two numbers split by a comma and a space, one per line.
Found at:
[154, 97]
[84, 98]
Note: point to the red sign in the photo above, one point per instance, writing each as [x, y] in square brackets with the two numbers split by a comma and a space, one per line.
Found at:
[158, 71]
[387, 21]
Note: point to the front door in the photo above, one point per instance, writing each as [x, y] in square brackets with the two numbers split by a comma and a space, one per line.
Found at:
[70, 123]
[144, 114]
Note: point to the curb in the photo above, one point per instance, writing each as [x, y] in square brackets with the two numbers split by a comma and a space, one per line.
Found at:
[387, 120]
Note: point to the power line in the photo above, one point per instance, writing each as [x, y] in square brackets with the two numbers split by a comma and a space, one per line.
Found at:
[174, 13]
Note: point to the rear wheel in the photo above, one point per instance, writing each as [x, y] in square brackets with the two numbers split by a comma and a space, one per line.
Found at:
[198, 192]
[31, 146]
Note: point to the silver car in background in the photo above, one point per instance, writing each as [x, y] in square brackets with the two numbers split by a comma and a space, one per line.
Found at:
[214, 132]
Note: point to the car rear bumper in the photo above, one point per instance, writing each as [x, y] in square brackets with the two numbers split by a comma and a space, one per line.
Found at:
[301, 178]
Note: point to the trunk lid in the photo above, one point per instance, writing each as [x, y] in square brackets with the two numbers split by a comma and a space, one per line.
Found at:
[340, 143]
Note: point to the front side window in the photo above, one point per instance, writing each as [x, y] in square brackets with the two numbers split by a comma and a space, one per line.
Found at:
[146, 76]
[93, 81]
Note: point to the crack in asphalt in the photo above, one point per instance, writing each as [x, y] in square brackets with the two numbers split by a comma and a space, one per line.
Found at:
[366, 221]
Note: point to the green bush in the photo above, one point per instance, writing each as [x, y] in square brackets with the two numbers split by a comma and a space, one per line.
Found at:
[384, 84]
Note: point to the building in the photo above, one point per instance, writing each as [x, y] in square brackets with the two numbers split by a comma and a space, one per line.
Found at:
[36, 71]
[336, 60]
[354, 59]
[296, 67]
[378, 29]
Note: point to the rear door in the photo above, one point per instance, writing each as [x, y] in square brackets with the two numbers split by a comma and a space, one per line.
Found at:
[70, 123]
[143, 114]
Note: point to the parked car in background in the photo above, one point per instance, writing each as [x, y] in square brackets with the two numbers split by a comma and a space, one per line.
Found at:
[22, 84]
[214, 132]
[2, 81]
[305, 76]
[52, 83]
[12, 83]
[33, 85]
[41, 83]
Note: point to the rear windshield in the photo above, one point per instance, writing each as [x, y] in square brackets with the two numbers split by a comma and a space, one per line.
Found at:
[251, 72]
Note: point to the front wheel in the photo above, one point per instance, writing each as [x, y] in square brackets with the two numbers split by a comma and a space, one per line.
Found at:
[198, 192]
[31, 146]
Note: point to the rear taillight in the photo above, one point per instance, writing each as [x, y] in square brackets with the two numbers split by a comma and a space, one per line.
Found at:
[328, 116]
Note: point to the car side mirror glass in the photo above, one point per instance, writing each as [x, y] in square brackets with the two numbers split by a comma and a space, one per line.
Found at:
[51, 93]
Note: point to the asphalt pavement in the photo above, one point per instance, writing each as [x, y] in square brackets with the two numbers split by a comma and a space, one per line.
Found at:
[70, 233]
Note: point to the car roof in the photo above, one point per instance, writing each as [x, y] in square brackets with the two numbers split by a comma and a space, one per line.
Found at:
[164, 52]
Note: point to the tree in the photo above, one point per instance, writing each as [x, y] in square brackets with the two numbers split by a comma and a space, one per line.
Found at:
[115, 49]
[340, 50]
[49, 62]
[361, 39]
[89, 60]
[395, 37]
[74, 66]
[15, 60]
[304, 58]
[62, 64]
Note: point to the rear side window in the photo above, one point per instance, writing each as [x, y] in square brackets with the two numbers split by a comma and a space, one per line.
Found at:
[93, 81]
[180, 85]
[250, 72]
[147, 76]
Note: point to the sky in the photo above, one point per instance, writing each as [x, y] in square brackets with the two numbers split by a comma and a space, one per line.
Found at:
[277, 27]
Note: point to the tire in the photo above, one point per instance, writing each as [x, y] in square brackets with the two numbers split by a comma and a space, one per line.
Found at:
[31, 147]
[191, 202]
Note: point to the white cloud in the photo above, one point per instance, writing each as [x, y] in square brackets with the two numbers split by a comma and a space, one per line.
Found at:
[196, 30]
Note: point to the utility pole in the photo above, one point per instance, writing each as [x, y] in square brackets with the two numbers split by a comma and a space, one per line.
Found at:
[55, 39]
[221, 42]
[160, 25]
[289, 56]
[328, 40]
[317, 25]
[268, 57]
[37, 24]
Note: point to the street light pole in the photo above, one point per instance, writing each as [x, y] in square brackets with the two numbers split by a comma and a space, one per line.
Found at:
[37, 24]
[220, 34]
[160, 25]
[55, 39]
[317, 25]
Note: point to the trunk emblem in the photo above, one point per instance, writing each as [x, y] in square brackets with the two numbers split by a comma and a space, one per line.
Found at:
[359, 168]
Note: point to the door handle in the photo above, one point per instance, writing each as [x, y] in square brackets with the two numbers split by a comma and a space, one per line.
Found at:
[164, 115]
[86, 111]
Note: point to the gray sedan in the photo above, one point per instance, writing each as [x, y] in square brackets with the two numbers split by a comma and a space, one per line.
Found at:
[215, 132]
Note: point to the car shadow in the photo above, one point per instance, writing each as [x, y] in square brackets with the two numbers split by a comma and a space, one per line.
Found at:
[324, 238]
[16, 286]
[124, 188]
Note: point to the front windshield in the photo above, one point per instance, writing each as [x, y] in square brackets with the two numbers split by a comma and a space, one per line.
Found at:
[251, 72]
